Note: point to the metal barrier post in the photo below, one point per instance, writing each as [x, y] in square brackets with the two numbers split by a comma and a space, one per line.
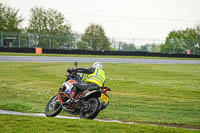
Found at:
[2, 39]
[19, 40]
[29, 40]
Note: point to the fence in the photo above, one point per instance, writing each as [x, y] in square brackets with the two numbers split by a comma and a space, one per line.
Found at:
[29, 40]
[92, 52]
[70, 44]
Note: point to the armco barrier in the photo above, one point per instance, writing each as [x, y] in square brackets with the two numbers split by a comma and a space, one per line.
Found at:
[91, 52]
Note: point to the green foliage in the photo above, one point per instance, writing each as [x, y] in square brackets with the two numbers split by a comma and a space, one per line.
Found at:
[94, 38]
[50, 26]
[198, 33]
[48, 21]
[82, 45]
[144, 48]
[9, 19]
[198, 30]
[123, 46]
[180, 41]
[150, 48]
[140, 92]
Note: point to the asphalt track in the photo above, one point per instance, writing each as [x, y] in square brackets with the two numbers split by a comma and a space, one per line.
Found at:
[93, 59]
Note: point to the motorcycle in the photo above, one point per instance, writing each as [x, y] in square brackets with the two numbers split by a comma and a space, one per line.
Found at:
[87, 103]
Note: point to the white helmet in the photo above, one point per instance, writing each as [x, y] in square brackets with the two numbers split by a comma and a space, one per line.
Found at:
[98, 65]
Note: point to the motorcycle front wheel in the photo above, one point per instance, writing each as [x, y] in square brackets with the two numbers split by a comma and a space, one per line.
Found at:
[53, 107]
[90, 109]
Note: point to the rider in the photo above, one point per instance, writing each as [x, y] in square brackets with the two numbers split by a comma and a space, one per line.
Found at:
[95, 77]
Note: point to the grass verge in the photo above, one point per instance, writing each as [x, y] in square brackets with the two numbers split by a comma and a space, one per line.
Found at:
[24, 124]
[144, 93]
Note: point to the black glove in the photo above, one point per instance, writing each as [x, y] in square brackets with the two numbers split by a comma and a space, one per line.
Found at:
[74, 70]
[69, 70]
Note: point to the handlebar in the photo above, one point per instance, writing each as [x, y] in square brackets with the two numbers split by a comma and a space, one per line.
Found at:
[72, 71]
[73, 74]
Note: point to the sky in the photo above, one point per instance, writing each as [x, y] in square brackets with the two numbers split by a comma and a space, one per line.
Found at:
[137, 21]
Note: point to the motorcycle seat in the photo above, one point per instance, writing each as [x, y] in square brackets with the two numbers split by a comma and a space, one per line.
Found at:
[93, 88]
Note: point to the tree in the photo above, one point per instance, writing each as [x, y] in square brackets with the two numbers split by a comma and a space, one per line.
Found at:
[180, 41]
[50, 24]
[198, 33]
[48, 21]
[150, 48]
[144, 48]
[123, 46]
[94, 38]
[9, 19]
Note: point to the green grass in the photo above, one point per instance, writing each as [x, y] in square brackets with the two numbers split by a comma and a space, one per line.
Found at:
[97, 56]
[144, 93]
[27, 124]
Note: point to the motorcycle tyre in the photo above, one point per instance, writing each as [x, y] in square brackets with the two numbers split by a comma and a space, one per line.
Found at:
[47, 109]
[95, 113]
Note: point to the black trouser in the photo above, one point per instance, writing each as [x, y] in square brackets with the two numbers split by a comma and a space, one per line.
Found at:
[82, 86]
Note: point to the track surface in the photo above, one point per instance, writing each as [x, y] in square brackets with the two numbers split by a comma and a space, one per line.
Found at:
[89, 60]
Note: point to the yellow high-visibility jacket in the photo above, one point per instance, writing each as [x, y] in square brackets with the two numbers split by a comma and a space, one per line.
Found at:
[98, 77]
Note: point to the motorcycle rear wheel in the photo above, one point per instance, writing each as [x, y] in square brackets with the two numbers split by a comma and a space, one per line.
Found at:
[91, 109]
[53, 107]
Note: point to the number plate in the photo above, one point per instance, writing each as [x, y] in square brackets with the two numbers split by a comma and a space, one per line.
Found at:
[104, 98]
